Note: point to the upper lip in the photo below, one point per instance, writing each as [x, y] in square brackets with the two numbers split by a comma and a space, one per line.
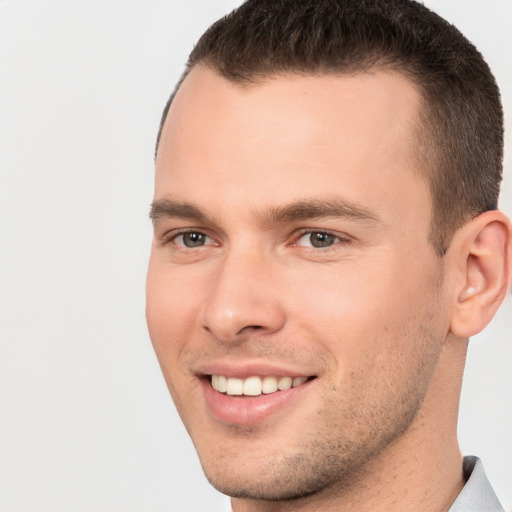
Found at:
[244, 369]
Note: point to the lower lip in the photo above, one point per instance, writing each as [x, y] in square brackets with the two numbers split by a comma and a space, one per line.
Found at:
[250, 410]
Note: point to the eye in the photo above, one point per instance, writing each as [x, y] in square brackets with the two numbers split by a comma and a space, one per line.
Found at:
[191, 239]
[318, 239]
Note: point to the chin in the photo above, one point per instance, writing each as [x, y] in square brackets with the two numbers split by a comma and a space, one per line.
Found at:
[287, 487]
[278, 477]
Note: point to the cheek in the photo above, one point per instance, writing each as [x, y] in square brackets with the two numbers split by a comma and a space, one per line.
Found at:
[384, 346]
[170, 313]
[343, 298]
[170, 317]
[361, 310]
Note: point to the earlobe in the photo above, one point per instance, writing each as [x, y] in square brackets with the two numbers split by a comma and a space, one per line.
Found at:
[482, 251]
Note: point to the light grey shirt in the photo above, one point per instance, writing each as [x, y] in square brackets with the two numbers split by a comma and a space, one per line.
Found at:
[477, 495]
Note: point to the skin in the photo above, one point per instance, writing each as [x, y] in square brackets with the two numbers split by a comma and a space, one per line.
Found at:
[374, 316]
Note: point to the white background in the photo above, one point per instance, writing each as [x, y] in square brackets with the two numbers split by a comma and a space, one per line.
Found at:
[86, 424]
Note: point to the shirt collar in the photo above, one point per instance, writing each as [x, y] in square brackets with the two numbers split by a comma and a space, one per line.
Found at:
[477, 494]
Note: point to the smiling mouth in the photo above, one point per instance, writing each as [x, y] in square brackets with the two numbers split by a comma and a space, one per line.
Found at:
[255, 386]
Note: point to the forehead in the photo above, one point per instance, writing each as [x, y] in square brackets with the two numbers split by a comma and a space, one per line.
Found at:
[290, 137]
[378, 95]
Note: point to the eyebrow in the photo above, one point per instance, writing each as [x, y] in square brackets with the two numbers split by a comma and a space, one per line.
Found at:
[318, 209]
[307, 209]
[169, 208]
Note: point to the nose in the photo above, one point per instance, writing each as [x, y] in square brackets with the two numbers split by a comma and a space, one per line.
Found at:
[244, 298]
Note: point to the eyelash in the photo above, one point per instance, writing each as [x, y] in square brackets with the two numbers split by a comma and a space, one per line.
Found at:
[340, 239]
[173, 236]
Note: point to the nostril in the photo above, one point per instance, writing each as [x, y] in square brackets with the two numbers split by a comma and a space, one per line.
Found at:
[250, 328]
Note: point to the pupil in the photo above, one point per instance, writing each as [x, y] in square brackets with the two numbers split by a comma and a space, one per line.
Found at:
[321, 239]
[193, 239]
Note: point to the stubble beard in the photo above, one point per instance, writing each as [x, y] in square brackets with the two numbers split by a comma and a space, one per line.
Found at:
[330, 455]
[332, 458]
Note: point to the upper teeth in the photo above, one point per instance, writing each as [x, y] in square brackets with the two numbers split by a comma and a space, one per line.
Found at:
[254, 386]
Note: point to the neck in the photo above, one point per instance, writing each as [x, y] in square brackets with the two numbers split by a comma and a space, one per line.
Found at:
[422, 470]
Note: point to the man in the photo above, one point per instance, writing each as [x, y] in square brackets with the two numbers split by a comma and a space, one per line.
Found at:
[326, 241]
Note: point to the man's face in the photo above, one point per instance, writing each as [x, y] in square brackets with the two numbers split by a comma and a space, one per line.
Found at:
[291, 248]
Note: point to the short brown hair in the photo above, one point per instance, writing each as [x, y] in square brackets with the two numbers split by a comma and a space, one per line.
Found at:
[460, 136]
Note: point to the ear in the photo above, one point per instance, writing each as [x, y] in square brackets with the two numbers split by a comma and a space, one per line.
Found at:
[481, 251]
